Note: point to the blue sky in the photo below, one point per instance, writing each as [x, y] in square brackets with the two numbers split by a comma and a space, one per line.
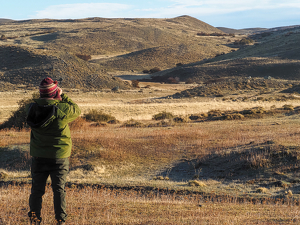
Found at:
[219, 13]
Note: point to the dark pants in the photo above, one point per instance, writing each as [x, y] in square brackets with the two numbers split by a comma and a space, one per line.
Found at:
[58, 169]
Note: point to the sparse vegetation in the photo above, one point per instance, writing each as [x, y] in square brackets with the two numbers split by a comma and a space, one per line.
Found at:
[244, 41]
[225, 147]
[18, 119]
[135, 83]
[84, 56]
[98, 116]
[163, 116]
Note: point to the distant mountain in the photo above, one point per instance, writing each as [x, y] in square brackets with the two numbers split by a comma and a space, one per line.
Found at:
[246, 31]
[249, 31]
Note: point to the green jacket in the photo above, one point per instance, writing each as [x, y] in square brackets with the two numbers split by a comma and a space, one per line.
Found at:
[50, 134]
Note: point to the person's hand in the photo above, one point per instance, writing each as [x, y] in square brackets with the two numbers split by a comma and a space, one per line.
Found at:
[59, 90]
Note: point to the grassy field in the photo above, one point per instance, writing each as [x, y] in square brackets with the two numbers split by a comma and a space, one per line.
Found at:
[241, 170]
[100, 206]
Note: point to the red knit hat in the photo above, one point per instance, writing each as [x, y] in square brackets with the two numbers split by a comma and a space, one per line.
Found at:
[48, 88]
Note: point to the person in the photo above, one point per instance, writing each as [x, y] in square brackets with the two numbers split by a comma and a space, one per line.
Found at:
[50, 147]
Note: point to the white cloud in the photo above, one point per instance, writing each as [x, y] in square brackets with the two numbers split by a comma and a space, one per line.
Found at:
[203, 8]
[211, 11]
[83, 10]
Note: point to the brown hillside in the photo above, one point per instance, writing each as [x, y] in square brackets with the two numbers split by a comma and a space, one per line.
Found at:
[28, 67]
[104, 36]
[143, 44]
[163, 57]
[275, 54]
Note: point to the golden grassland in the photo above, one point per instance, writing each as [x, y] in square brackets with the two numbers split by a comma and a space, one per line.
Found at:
[142, 103]
[164, 157]
[100, 206]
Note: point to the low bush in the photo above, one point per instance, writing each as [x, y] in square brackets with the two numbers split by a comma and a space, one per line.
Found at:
[98, 116]
[132, 123]
[84, 57]
[154, 70]
[181, 119]
[3, 37]
[244, 41]
[288, 107]
[18, 118]
[196, 183]
[163, 115]
[135, 83]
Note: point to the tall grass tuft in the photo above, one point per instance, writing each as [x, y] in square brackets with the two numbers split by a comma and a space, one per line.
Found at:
[163, 115]
[98, 116]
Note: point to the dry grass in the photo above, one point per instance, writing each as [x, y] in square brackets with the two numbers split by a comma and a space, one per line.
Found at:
[137, 105]
[155, 157]
[101, 206]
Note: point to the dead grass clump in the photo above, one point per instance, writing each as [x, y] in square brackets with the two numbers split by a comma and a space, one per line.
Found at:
[99, 124]
[163, 115]
[198, 116]
[3, 175]
[215, 113]
[160, 178]
[163, 123]
[135, 83]
[154, 70]
[181, 119]
[288, 107]
[234, 116]
[98, 116]
[262, 190]
[84, 56]
[197, 183]
[132, 123]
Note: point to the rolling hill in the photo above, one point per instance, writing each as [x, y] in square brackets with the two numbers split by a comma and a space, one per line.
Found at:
[274, 54]
[32, 49]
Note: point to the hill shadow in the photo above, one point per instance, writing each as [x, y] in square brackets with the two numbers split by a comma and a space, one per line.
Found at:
[242, 163]
[46, 37]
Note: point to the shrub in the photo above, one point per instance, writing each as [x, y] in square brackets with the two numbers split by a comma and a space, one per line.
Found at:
[18, 118]
[235, 116]
[84, 57]
[146, 71]
[163, 115]
[288, 107]
[244, 41]
[3, 175]
[196, 183]
[3, 37]
[132, 123]
[262, 190]
[181, 119]
[172, 80]
[98, 116]
[155, 70]
[135, 83]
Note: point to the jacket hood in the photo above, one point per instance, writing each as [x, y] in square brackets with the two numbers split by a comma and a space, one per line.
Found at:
[39, 114]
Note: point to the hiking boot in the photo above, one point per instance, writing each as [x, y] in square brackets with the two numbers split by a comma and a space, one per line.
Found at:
[60, 222]
[34, 220]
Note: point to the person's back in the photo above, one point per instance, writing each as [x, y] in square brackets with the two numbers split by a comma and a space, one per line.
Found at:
[50, 146]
